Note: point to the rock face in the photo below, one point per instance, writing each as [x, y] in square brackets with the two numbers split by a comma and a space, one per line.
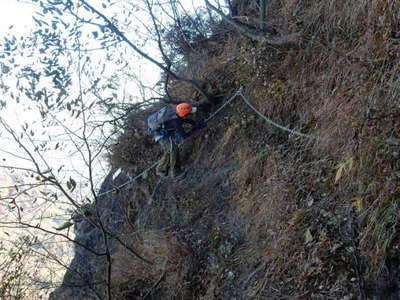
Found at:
[186, 230]
[81, 279]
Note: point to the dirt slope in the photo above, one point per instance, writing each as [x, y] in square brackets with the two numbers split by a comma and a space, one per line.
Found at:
[264, 214]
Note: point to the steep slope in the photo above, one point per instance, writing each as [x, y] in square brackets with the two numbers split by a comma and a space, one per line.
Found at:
[263, 213]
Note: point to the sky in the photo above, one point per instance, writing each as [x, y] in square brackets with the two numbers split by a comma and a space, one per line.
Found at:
[17, 13]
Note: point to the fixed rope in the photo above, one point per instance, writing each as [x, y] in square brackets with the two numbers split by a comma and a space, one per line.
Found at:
[269, 121]
[291, 131]
[239, 92]
[131, 180]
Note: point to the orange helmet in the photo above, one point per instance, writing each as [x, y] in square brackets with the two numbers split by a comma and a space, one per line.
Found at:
[184, 109]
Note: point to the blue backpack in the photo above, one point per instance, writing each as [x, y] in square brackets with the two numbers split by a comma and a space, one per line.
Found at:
[156, 120]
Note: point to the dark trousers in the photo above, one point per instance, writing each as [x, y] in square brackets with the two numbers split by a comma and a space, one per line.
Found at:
[170, 160]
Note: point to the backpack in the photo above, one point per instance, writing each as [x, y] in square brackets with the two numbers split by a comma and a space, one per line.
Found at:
[156, 120]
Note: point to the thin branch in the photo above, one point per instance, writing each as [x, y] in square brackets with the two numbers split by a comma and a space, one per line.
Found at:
[15, 155]
[135, 253]
[157, 283]
[57, 234]
[90, 167]
[122, 36]
[248, 31]
[153, 19]
[18, 168]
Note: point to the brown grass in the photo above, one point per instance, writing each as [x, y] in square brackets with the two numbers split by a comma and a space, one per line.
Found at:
[342, 85]
[327, 89]
[169, 257]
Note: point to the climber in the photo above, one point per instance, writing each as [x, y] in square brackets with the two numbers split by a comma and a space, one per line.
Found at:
[167, 125]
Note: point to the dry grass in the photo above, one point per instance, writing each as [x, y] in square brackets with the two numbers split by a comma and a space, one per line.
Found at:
[169, 257]
[134, 147]
[346, 71]
[341, 84]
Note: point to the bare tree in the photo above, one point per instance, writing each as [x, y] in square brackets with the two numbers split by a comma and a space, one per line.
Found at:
[45, 179]
[110, 25]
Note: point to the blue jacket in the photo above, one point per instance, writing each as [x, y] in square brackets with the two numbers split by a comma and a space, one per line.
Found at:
[174, 127]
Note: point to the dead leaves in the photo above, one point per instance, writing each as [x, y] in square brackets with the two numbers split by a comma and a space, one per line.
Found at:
[297, 217]
[344, 167]
[358, 203]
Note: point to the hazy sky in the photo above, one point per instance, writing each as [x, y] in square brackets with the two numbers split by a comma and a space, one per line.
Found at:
[17, 13]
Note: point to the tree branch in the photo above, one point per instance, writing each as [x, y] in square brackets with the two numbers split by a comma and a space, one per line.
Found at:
[246, 30]
[122, 36]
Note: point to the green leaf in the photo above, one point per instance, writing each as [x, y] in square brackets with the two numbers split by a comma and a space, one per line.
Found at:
[64, 226]
[37, 21]
[71, 184]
